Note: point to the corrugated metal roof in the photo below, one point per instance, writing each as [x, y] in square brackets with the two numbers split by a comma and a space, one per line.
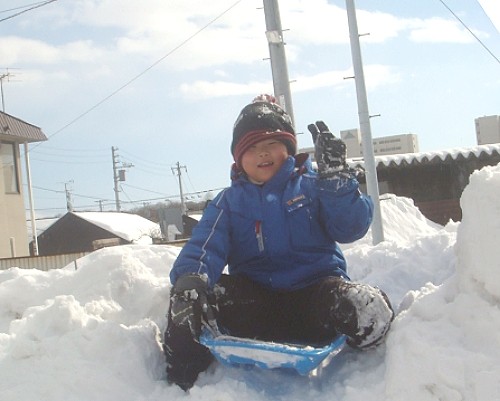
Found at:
[14, 129]
[431, 157]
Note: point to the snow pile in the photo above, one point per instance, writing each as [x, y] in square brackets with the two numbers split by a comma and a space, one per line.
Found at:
[88, 334]
[93, 334]
[447, 344]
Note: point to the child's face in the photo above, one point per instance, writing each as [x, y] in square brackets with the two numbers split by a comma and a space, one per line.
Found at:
[263, 160]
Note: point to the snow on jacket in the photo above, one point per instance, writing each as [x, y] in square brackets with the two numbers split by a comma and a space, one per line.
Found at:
[282, 234]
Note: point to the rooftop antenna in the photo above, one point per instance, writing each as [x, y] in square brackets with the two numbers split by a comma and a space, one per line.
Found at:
[3, 76]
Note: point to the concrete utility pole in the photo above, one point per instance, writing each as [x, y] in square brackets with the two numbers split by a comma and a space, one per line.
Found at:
[69, 201]
[2, 77]
[364, 124]
[118, 175]
[177, 170]
[31, 201]
[274, 34]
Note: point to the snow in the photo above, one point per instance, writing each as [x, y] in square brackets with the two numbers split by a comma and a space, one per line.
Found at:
[93, 334]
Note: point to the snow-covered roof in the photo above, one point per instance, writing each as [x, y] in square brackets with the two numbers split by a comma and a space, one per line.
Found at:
[431, 157]
[130, 227]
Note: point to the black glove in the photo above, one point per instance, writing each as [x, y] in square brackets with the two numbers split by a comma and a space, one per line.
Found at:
[330, 152]
[189, 305]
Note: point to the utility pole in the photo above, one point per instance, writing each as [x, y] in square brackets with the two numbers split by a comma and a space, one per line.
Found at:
[118, 175]
[100, 205]
[69, 201]
[31, 201]
[274, 34]
[2, 77]
[364, 124]
[177, 170]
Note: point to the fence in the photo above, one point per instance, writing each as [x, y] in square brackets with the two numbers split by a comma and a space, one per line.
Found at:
[44, 263]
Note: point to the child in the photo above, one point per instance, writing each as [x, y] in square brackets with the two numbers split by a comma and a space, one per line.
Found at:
[276, 228]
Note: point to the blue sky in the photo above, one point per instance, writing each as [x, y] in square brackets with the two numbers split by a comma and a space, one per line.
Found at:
[163, 81]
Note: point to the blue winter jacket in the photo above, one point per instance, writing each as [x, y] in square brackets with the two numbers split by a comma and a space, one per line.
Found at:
[282, 234]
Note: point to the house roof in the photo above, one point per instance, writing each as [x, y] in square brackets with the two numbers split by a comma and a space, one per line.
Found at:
[14, 129]
[130, 227]
[407, 159]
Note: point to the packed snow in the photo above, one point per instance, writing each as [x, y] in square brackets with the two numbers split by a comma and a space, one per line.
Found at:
[94, 333]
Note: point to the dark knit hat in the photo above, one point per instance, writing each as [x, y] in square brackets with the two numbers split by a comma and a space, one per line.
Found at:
[262, 119]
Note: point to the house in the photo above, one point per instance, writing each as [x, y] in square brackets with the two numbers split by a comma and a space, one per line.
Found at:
[88, 231]
[434, 180]
[13, 229]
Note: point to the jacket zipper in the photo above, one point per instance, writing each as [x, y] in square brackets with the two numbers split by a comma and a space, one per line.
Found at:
[258, 235]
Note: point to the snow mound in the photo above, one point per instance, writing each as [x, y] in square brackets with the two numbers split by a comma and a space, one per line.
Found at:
[89, 334]
[411, 223]
[479, 254]
[446, 344]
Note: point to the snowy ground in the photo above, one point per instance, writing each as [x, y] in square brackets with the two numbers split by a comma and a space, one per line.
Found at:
[92, 334]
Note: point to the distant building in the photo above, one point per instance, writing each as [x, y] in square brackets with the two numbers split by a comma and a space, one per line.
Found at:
[352, 140]
[434, 180]
[387, 145]
[88, 231]
[395, 144]
[487, 129]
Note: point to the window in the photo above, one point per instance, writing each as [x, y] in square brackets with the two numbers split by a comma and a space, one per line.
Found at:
[9, 167]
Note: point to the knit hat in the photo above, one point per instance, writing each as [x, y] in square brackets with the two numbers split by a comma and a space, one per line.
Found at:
[262, 119]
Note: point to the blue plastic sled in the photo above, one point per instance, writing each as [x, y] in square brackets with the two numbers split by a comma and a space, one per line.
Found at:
[235, 351]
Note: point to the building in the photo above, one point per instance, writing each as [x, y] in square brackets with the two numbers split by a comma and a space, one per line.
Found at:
[395, 144]
[387, 145]
[434, 180]
[487, 129]
[87, 231]
[13, 232]
[352, 140]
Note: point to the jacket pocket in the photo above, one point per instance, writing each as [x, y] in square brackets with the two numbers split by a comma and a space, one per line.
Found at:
[304, 224]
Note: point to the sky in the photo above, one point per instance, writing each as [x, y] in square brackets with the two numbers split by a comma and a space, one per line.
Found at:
[163, 82]
[93, 333]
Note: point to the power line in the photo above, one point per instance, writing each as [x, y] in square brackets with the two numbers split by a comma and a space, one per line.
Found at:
[21, 7]
[105, 99]
[472, 33]
[147, 161]
[36, 5]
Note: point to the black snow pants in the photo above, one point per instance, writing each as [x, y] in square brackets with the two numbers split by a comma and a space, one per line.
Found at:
[246, 309]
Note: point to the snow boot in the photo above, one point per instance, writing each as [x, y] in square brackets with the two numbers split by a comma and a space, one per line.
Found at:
[362, 312]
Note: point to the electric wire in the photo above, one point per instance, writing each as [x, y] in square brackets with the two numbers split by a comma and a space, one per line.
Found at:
[135, 78]
[34, 6]
[470, 31]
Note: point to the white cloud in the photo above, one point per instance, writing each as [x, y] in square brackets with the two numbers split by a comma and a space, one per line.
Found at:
[154, 29]
[15, 50]
[205, 89]
[439, 30]
[492, 9]
[375, 76]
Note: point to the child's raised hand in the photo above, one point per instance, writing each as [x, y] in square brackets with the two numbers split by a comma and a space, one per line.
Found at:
[330, 152]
